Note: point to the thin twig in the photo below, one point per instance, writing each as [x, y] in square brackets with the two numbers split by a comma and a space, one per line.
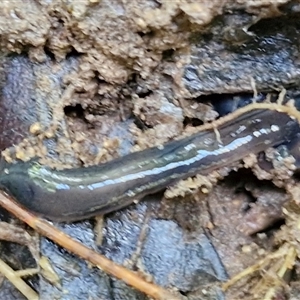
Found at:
[64, 240]
[17, 281]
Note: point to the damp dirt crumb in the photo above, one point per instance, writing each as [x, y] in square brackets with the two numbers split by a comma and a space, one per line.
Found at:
[163, 119]
[265, 210]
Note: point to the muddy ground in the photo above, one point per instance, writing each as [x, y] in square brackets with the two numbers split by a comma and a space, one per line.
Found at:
[83, 82]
